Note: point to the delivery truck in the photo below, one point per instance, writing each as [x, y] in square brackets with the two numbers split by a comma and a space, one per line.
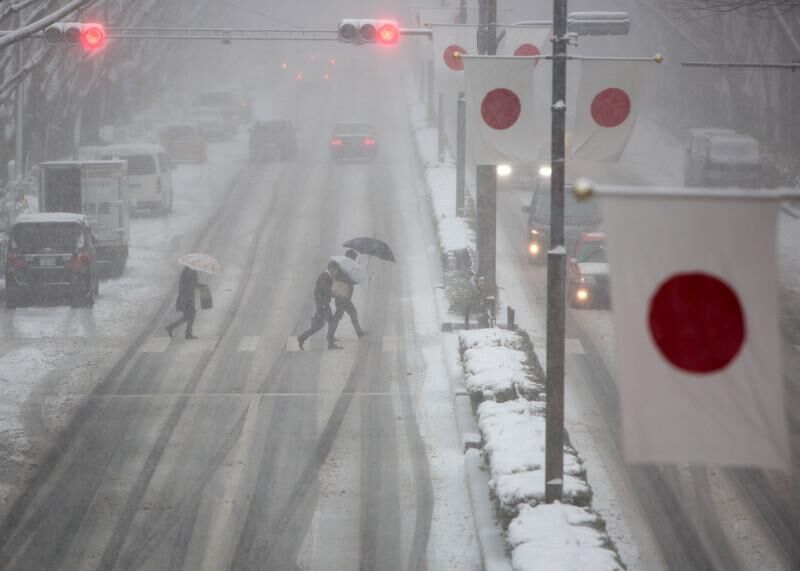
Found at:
[99, 190]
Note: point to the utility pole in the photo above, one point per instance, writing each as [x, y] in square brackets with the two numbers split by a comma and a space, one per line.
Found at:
[461, 154]
[19, 113]
[556, 266]
[486, 175]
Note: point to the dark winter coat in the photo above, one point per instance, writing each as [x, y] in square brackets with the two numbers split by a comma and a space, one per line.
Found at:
[186, 287]
[322, 290]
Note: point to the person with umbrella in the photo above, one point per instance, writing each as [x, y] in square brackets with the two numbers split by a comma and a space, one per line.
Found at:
[187, 284]
[342, 290]
[322, 303]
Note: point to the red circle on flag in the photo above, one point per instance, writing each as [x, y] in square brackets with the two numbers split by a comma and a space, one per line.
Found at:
[451, 60]
[527, 50]
[611, 107]
[500, 108]
[697, 322]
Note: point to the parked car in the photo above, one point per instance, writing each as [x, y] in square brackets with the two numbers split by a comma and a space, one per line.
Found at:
[579, 217]
[149, 175]
[51, 256]
[184, 142]
[587, 272]
[273, 140]
[214, 126]
[234, 104]
[722, 157]
[353, 141]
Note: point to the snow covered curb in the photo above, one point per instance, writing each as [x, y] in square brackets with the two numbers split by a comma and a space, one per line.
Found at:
[456, 235]
[500, 366]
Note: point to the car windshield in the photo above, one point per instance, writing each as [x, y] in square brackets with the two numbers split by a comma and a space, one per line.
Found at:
[592, 251]
[575, 212]
[46, 237]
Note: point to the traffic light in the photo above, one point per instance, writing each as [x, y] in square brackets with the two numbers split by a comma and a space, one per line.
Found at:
[370, 31]
[90, 36]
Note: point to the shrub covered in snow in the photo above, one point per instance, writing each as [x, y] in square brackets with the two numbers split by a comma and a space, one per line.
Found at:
[514, 438]
[495, 363]
[556, 537]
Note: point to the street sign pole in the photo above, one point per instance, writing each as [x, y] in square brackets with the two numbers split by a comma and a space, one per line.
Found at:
[486, 175]
[556, 266]
[440, 138]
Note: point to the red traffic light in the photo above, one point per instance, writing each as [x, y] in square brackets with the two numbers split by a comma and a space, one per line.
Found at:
[93, 37]
[388, 33]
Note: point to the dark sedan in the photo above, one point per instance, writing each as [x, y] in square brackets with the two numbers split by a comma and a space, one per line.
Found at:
[354, 141]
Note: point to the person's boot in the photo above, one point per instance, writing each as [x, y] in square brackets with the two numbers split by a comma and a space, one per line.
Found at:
[189, 335]
[332, 344]
[169, 330]
[301, 341]
[361, 333]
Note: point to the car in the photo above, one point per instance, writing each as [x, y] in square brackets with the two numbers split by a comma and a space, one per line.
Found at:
[353, 141]
[233, 103]
[184, 142]
[721, 157]
[149, 175]
[273, 140]
[579, 217]
[214, 126]
[51, 256]
[587, 273]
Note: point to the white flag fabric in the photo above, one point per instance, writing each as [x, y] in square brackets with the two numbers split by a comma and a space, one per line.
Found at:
[500, 110]
[450, 42]
[520, 41]
[444, 15]
[607, 106]
[696, 317]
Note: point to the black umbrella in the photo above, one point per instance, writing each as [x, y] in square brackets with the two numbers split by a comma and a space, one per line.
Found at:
[371, 247]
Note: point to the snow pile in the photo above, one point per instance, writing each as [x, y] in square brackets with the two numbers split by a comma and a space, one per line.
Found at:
[514, 436]
[560, 537]
[496, 366]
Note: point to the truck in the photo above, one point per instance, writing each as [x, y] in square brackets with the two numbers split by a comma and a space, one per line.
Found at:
[99, 190]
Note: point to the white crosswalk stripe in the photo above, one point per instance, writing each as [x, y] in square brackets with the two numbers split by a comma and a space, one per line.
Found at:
[156, 345]
[248, 344]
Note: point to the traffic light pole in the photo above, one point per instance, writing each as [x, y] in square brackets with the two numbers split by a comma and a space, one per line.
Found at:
[556, 266]
[486, 175]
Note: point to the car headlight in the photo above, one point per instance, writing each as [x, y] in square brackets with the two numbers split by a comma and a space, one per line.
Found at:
[589, 280]
[582, 294]
[504, 170]
[534, 249]
[534, 231]
[545, 171]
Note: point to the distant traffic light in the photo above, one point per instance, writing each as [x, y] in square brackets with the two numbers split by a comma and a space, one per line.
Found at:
[90, 36]
[368, 31]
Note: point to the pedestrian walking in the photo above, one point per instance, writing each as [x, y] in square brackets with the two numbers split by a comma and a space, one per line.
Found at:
[185, 303]
[342, 290]
[322, 303]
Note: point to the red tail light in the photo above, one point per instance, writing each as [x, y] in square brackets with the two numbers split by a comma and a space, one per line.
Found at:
[369, 141]
[15, 261]
[79, 261]
[336, 142]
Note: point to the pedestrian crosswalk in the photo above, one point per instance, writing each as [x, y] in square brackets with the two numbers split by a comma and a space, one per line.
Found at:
[251, 344]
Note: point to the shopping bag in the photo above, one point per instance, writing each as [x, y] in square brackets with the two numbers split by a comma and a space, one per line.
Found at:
[206, 301]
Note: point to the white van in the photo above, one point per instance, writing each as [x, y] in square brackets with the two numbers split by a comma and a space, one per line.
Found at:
[149, 175]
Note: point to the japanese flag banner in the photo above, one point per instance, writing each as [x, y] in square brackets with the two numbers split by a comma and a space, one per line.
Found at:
[449, 44]
[520, 41]
[698, 361]
[608, 102]
[500, 110]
